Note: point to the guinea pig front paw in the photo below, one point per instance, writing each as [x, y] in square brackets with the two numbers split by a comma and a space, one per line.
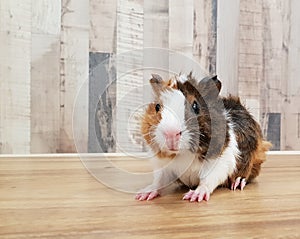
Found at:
[201, 193]
[147, 195]
[238, 182]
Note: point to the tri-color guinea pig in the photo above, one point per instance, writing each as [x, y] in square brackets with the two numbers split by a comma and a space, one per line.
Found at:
[199, 138]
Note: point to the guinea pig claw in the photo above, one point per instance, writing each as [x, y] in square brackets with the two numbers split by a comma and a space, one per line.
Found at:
[238, 182]
[235, 184]
[243, 183]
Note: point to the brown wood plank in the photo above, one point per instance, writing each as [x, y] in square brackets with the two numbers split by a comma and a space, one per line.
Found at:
[58, 198]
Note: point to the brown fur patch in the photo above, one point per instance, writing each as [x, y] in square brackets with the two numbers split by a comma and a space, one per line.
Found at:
[150, 119]
[258, 157]
[249, 138]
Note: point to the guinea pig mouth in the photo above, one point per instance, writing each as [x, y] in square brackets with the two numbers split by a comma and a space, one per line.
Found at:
[172, 145]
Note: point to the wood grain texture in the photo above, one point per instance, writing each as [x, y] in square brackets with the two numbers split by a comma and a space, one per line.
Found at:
[281, 47]
[103, 23]
[45, 88]
[250, 64]
[74, 68]
[181, 36]
[227, 42]
[205, 34]
[102, 101]
[129, 66]
[58, 198]
[15, 45]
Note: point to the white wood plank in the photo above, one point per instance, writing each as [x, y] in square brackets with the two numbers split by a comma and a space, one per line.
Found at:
[291, 107]
[227, 42]
[251, 55]
[156, 35]
[204, 43]
[103, 25]
[45, 74]
[46, 17]
[74, 73]
[15, 42]
[129, 73]
[181, 35]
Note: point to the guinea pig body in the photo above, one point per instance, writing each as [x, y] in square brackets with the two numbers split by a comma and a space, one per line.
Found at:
[199, 138]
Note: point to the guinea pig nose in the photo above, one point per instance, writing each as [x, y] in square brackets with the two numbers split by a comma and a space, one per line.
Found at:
[172, 134]
[172, 139]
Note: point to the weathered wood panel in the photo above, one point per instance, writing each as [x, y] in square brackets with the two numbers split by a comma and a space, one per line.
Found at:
[15, 44]
[102, 102]
[42, 68]
[46, 17]
[181, 26]
[181, 35]
[46, 24]
[155, 35]
[227, 42]
[103, 22]
[129, 73]
[205, 34]
[292, 106]
[74, 73]
[281, 86]
[102, 76]
[250, 65]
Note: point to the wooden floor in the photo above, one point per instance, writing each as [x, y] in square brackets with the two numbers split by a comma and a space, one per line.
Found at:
[58, 198]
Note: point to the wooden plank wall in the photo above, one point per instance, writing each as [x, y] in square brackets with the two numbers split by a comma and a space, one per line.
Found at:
[15, 55]
[45, 87]
[205, 34]
[74, 65]
[129, 83]
[250, 63]
[46, 47]
[227, 42]
[102, 76]
[281, 85]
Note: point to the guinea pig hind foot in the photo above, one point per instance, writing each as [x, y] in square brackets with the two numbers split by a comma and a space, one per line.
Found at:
[238, 182]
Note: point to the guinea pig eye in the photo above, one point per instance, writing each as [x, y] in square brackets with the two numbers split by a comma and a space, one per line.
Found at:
[157, 107]
[195, 107]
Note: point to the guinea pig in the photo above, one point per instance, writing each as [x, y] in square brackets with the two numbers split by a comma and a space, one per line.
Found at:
[199, 138]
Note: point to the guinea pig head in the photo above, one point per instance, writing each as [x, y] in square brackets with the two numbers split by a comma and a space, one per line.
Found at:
[163, 123]
[179, 117]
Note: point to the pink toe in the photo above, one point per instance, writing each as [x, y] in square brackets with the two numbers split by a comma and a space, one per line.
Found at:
[152, 195]
[206, 197]
[188, 195]
[194, 197]
[137, 197]
[243, 184]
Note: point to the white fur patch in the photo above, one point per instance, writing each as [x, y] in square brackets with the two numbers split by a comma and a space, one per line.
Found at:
[172, 118]
[216, 171]
[184, 166]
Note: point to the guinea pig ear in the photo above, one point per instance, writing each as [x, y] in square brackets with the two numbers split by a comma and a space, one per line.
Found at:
[157, 83]
[210, 87]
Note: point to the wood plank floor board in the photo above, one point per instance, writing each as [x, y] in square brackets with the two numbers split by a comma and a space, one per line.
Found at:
[58, 198]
